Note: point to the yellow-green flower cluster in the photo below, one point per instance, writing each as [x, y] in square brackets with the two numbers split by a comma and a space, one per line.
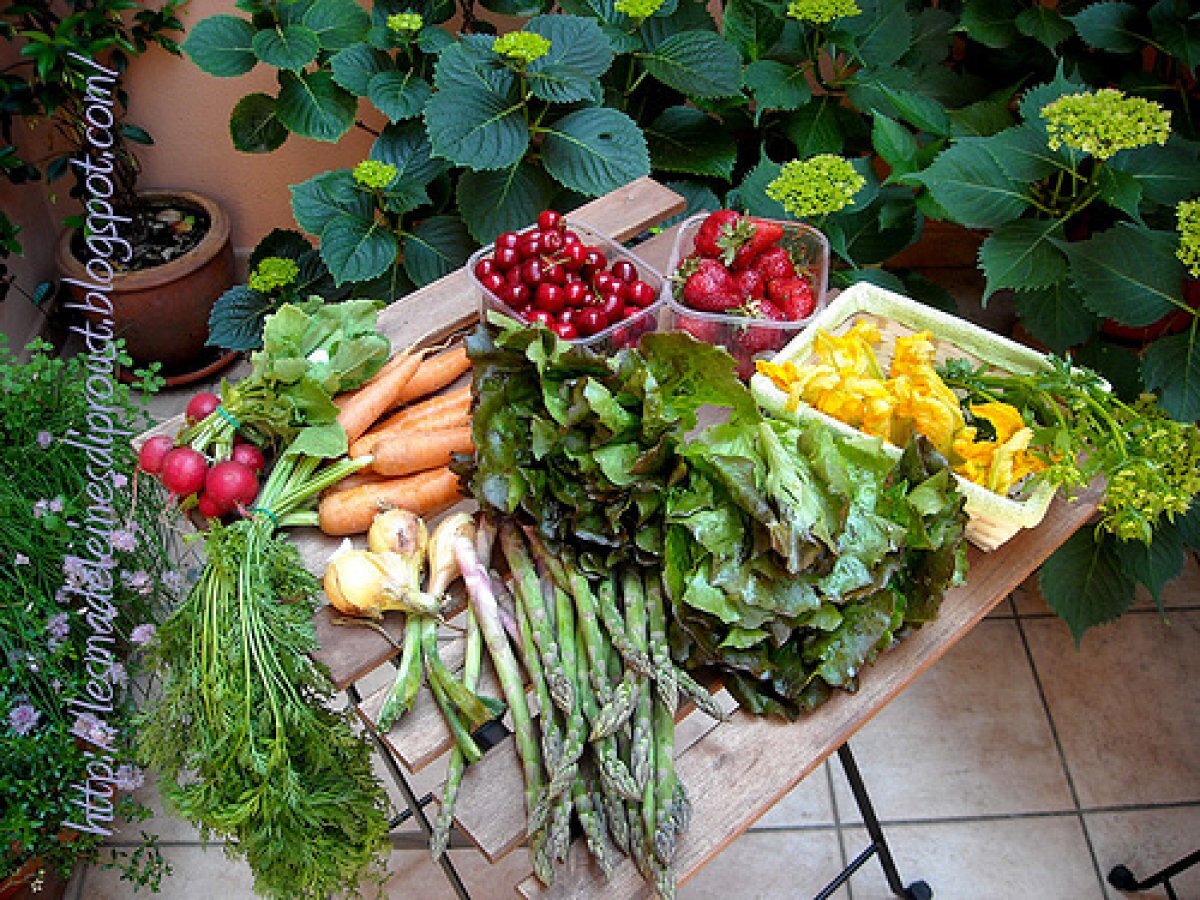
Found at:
[1105, 122]
[822, 12]
[523, 46]
[373, 174]
[273, 272]
[638, 9]
[1189, 236]
[405, 23]
[816, 186]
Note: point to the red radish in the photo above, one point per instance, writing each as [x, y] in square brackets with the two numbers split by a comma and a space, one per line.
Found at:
[207, 507]
[230, 484]
[249, 456]
[201, 406]
[183, 471]
[153, 452]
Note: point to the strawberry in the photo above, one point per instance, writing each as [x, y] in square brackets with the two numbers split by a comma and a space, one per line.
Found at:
[700, 329]
[775, 262]
[710, 288]
[762, 338]
[793, 295]
[711, 230]
[749, 240]
[750, 283]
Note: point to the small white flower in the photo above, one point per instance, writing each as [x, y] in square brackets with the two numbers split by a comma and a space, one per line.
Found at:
[20, 560]
[142, 634]
[44, 439]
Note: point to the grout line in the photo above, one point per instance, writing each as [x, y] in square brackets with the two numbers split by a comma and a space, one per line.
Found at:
[1062, 756]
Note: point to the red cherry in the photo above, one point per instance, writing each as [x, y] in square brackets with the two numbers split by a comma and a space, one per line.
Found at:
[641, 294]
[570, 238]
[484, 267]
[505, 258]
[492, 282]
[624, 270]
[507, 239]
[572, 255]
[513, 276]
[552, 241]
[591, 320]
[533, 272]
[567, 316]
[577, 293]
[613, 308]
[549, 220]
[529, 244]
[565, 330]
[603, 282]
[550, 297]
[555, 274]
[595, 258]
[541, 317]
[615, 289]
[516, 295]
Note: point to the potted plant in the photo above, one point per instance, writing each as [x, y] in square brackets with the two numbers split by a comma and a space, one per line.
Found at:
[57, 660]
[160, 258]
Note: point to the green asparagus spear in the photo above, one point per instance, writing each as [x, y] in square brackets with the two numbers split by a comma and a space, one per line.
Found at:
[595, 831]
[610, 615]
[403, 691]
[575, 728]
[641, 754]
[475, 710]
[664, 669]
[663, 832]
[551, 737]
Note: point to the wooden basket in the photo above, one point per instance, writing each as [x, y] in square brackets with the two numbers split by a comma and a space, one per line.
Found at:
[993, 518]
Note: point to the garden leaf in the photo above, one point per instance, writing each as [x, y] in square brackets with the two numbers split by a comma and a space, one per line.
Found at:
[399, 95]
[313, 106]
[775, 85]
[1084, 582]
[1022, 153]
[435, 248]
[323, 197]
[337, 23]
[1178, 36]
[1166, 174]
[290, 47]
[816, 128]
[968, 182]
[688, 16]
[222, 46]
[520, 9]
[503, 199]
[1121, 190]
[700, 198]
[479, 129]
[991, 22]
[1022, 255]
[406, 146]
[880, 38]
[751, 194]
[280, 242]
[752, 27]
[355, 66]
[579, 54]
[695, 63]
[1056, 315]
[1171, 366]
[1128, 273]
[1044, 25]
[1107, 26]
[236, 320]
[1157, 563]
[683, 139]
[472, 64]
[357, 249]
[894, 143]
[595, 150]
[253, 125]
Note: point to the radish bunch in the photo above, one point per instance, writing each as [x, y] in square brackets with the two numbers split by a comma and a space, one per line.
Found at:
[219, 487]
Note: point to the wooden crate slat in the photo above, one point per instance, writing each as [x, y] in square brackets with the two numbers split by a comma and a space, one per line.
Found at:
[739, 770]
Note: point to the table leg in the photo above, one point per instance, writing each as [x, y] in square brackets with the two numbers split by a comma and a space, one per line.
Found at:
[918, 890]
[416, 808]
[1123, 879]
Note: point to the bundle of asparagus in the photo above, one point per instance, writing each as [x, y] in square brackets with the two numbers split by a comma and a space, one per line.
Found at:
[602, 748]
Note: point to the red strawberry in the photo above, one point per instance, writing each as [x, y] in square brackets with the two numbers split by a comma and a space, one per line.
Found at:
[700, 329]
[710, 288]
[751, 283]
[712, 229]
[762, 338]
[794, 296]
[775, 262]
[747, 243]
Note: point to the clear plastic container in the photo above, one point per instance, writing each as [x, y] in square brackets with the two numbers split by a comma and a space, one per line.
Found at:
[746, 338]
[620, 334]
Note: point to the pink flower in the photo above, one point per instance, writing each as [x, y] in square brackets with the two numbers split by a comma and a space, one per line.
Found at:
[44, 439]
[23, 719]
[128, 778]
[142, 634]
[123, 540]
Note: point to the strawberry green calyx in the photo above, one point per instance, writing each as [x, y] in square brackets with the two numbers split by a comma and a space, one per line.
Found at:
[521, 46]
[1188, 213]
[374, 175]
[822, 12]
[1104, 122]
[819, 185]
[734, 237]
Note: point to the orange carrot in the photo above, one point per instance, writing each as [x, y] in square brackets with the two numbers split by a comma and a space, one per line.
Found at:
[362, 476]
[437, 372]
[443, 411]
[425, 493]
[360, 410]
[415, 451]
[451, 418]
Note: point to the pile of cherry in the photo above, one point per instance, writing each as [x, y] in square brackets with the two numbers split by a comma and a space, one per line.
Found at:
[220, 488]
[548, 276]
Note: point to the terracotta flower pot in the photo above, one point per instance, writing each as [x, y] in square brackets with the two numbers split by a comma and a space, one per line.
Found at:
[162, 312]
[1175, 321]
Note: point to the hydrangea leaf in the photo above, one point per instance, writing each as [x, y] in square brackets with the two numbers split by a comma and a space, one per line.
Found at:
[254, 126]
[1056, 315]
[337, 23]
[1157, 563]
[972, 187]
[313, 106]
[1171, 366]
[1022, 255]
[882, 33]
[752, 27]
[1166, 174]
[354, 66]
[503, 199]
[479, 129]
[405, 145]
[435, 248]
[595, 150]
[695, 63]
[222, 46]
[357, 249]
[290, 47]
[323, 197]
[1108, 26]
[399, 95]
[579, 54]
[1128, 273]
[1046, 26]
[683, 139]
[1084, 582]
[236, 320]
[775, 85]
[991, 22]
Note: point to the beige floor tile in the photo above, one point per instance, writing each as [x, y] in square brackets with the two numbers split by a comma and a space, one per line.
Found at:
[1044, 858]
[167, 826]
[770, 866]
[197, 872]
[1147, 842]
[1126, 706]
[809, 803]
[1181, 593]
[970, 737]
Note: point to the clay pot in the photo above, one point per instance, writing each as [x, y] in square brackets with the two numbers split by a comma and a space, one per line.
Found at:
[162, 312]
[32, 882]
[1175, 321]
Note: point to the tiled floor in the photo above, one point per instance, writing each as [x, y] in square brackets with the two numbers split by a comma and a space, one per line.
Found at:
[1017, 767]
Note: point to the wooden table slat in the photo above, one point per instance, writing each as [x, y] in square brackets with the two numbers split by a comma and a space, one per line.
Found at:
[739, 770]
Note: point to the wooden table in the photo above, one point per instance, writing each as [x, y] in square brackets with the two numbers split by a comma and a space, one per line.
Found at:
[754, 760]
